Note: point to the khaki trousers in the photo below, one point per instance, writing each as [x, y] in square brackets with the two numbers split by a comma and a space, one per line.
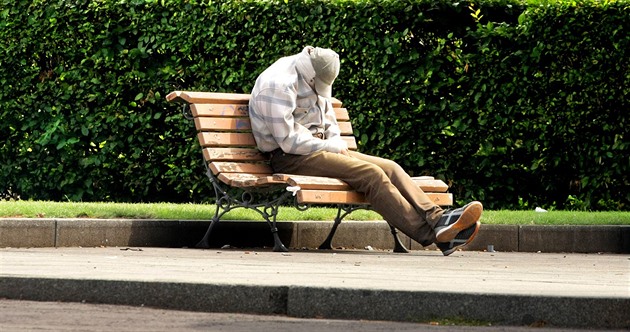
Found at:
[387, 187]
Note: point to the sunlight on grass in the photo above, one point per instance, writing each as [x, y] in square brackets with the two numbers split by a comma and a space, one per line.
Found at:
[556, 218]
[42, 209]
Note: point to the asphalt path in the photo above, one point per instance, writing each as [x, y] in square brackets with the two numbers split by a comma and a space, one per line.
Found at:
[27, 316]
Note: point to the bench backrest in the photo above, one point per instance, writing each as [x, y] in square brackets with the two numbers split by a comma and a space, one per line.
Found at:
[224, 133]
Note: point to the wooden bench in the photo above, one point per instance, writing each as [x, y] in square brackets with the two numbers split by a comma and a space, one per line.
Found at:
[233, 161]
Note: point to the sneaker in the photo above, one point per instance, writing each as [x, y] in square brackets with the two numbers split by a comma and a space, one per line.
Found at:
[455, 221]
[461, 239]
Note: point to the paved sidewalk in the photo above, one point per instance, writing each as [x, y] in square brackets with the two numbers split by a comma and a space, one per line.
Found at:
[564, 290]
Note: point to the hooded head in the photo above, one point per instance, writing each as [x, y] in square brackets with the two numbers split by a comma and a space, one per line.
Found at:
[324, 65]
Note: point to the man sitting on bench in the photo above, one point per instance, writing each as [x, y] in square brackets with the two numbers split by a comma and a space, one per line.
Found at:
[292, 118]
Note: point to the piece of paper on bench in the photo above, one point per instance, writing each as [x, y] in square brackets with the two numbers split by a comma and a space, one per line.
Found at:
[293, 189]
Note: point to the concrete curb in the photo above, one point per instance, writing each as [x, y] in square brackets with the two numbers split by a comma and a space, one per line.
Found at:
[331, 303]
[25, 232]
[267, 300]
[424, 306]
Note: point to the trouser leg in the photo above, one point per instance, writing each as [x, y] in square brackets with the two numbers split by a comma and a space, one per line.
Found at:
[414, 217]
[407, 187]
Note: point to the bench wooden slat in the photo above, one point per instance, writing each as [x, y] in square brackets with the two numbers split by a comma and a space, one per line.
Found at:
[242, 110]
[330, 197]
[233, 154]
[351, 141]
[231, 167]
[312, 182]
[353, 197]
[203, 124]
[346, 128]
[324, 183]
[442, 199]
[316, 182]
[198, 97]
[226, 139]
[244, 180]
[227, 110]
[211, 123]
[342, 114]
[431, 185]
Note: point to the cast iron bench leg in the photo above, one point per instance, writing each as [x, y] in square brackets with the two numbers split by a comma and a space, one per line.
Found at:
[270, 212]
[205, 243]
[398, 246]
[278, 246]
[327, 244]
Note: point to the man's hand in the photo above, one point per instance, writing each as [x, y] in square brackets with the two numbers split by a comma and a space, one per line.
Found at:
[337, 145]
[345, 152]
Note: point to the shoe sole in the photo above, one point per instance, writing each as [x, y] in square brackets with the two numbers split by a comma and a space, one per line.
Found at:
[472, 236]
[469, 216]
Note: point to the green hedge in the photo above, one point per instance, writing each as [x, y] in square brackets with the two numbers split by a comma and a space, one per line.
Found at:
[552, 99]
[525, 105]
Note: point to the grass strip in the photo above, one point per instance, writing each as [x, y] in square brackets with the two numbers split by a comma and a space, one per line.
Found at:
[45, 209]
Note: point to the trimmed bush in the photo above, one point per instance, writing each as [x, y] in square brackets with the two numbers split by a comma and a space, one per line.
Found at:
[514, 104]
